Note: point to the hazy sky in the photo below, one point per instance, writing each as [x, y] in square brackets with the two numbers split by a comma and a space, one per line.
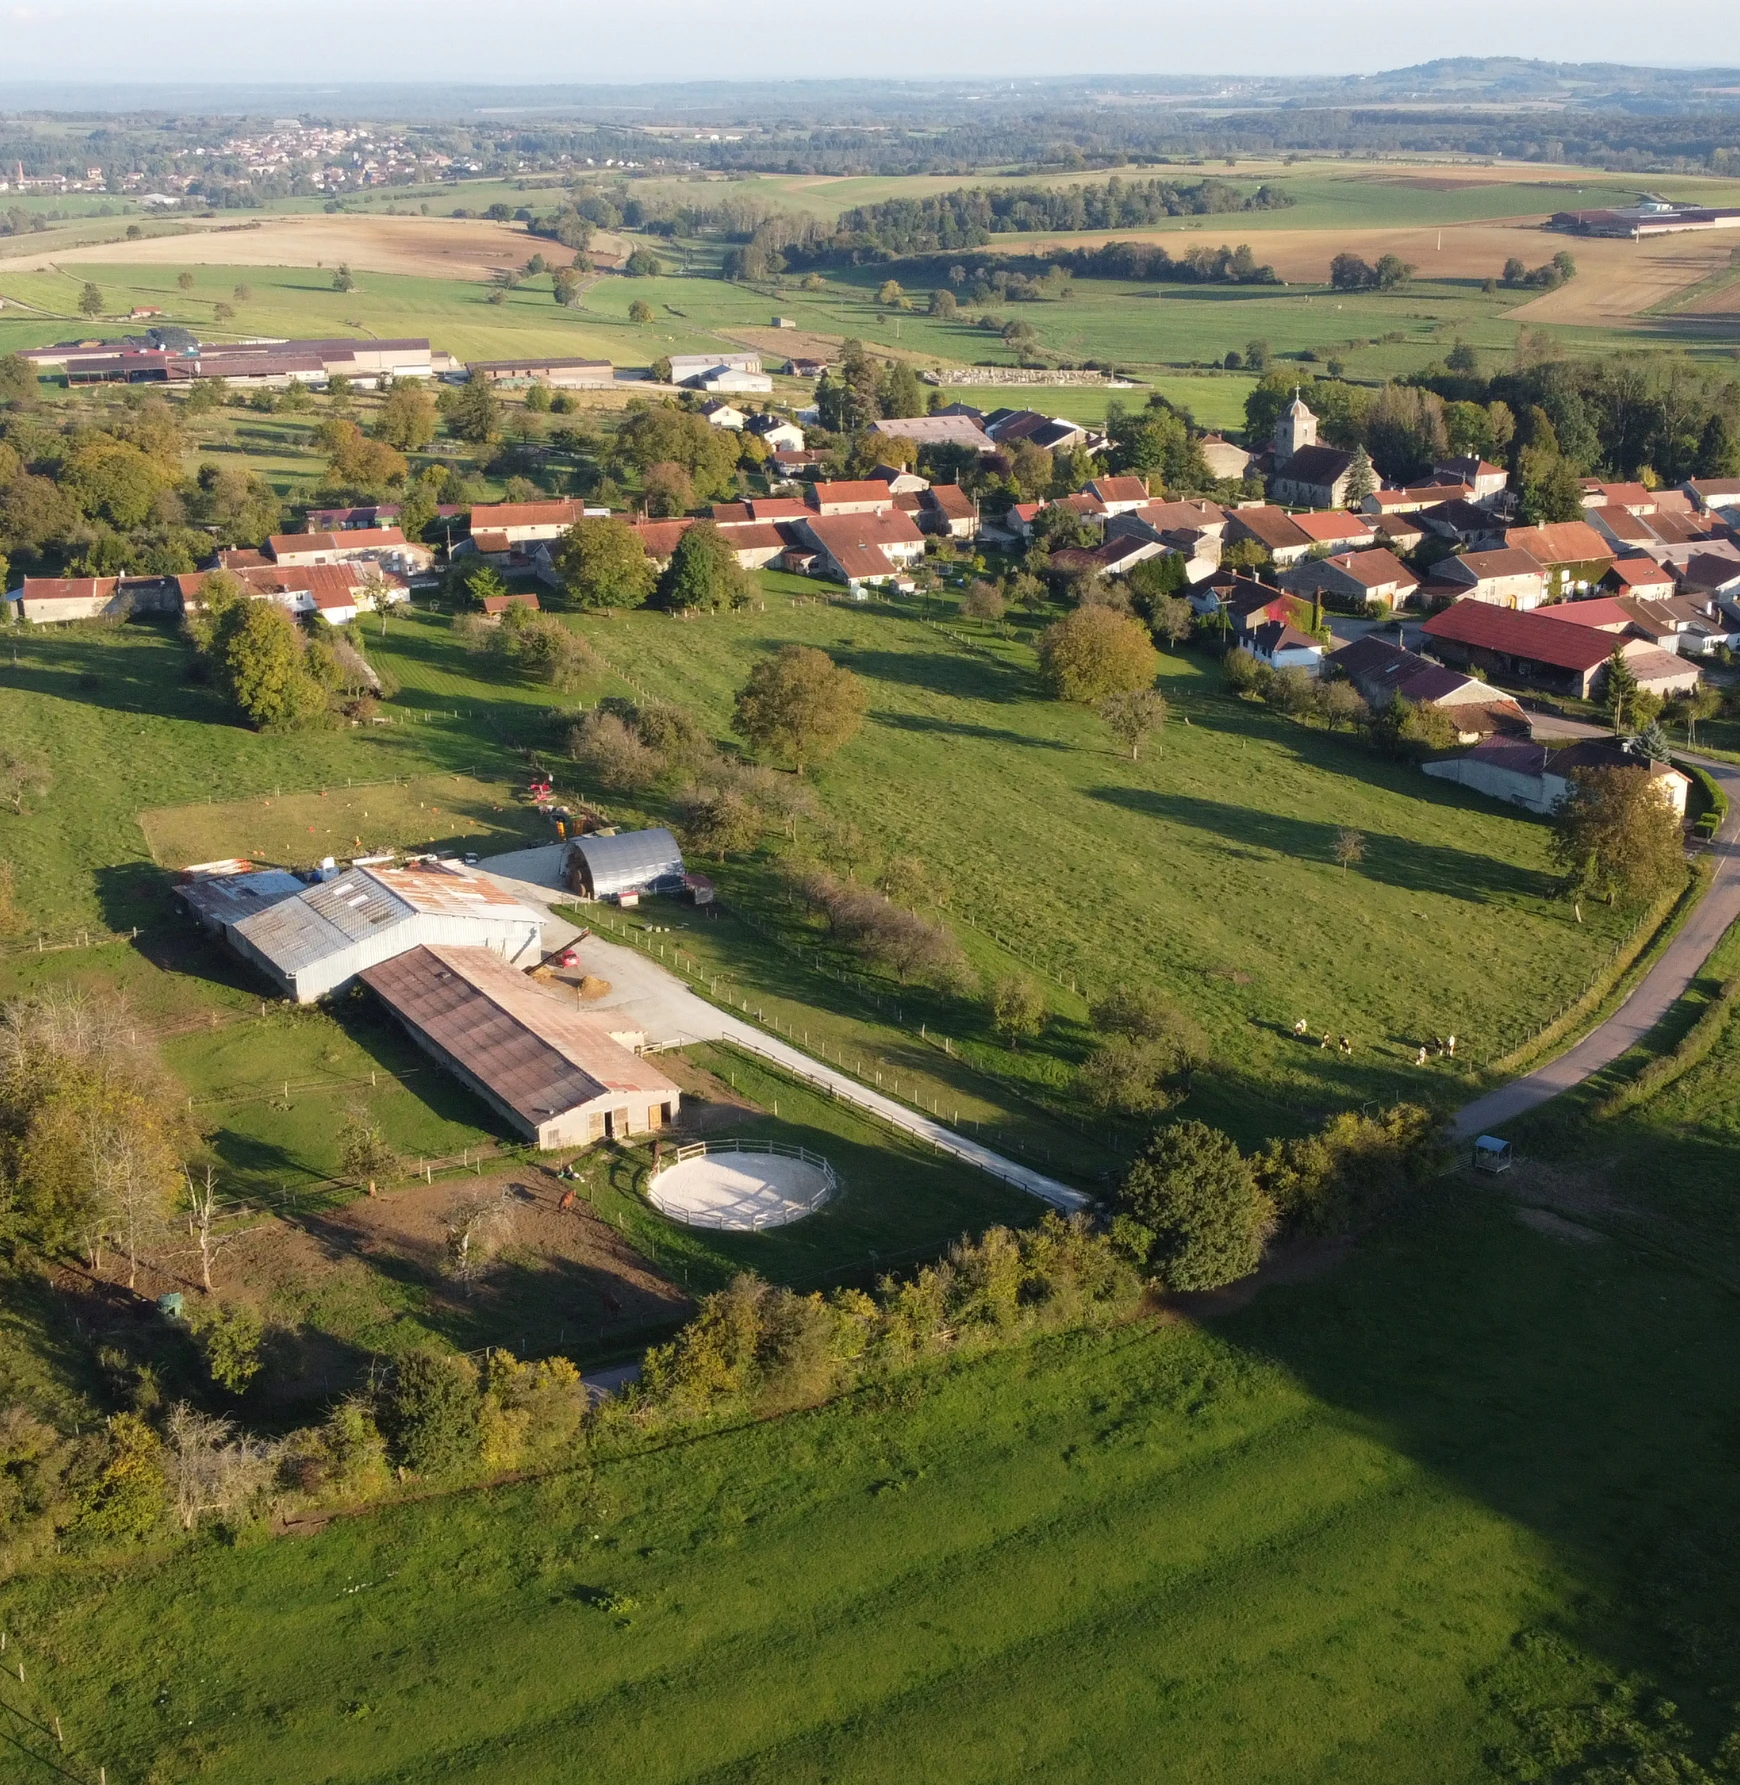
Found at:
[633, 40]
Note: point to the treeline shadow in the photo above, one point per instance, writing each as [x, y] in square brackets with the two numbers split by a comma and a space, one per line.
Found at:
[1397, 861]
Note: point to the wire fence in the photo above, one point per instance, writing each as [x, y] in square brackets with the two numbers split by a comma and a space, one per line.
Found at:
[716, 990]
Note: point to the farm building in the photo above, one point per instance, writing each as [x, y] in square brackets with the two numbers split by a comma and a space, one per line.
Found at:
[1532, 648]
[564, 373]
[631, 862]
[1536, 778]
[562, 1077]
[318, 938]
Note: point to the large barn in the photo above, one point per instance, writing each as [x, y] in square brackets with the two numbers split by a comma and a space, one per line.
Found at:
[312, 940]
[562, 1077]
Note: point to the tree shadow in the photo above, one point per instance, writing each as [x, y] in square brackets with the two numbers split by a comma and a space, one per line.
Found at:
[962, 677]
[924, 722]
[1396, 861]
[1578, 1388]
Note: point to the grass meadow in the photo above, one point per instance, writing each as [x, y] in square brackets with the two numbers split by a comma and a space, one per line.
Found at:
[1442, 1515]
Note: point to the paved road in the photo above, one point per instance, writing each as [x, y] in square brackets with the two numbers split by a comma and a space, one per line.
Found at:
[673, 1016]
[1648, 1002]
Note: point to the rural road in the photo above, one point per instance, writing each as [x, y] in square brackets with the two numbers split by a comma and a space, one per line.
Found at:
[672, 1015]
[1648, 1002]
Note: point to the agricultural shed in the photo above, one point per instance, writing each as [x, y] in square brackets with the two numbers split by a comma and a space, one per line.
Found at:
[560, 1076]
[630, 862]
[321, 939]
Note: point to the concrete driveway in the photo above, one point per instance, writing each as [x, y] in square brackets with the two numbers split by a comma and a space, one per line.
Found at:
[657, 1002]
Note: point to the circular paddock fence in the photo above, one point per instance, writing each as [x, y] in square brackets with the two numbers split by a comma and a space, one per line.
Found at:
[741, 1186]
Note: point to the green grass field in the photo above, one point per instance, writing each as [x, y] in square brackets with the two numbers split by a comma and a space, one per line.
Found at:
[1418, 1521]
[1204, 868]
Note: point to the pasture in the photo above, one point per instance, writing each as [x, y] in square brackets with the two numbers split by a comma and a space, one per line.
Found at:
[1455, 1512]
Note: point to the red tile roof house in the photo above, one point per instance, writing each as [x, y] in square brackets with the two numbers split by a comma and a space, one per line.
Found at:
[1506, 578]
[865, 496]
[1337, 527]
[1173, 517]
[947, 508]
[375, 545]
[519, 523]
[1354, 580]
[1021, 515]
[1110, 558]
[1641, 577]
[1273, 529]
[1117, 495]
[863, 549]
[51, 600]
[1713, 494]
[1531, 648]
[1246, 603]
[1618, 615]
[1537, 779]
[1572, 553]
[1410, 501]
[1486, 481]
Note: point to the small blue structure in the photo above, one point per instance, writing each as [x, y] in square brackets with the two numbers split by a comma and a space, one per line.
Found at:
[632, 862]
[1492, 1154]
[169, 1306]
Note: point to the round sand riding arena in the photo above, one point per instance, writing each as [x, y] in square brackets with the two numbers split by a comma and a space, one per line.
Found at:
[742, 1186]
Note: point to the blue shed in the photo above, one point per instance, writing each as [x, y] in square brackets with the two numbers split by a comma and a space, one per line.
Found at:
[630, 862]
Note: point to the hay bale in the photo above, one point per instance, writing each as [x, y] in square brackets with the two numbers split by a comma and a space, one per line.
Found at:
[593, 987]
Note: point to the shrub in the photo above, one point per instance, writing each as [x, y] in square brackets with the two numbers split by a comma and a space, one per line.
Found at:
[1191, 1209]
[430, 1412]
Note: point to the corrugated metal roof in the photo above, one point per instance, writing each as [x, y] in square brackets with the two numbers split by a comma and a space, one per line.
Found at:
[228, 898]
[629, 862]
[534, 1052]
[361, 903]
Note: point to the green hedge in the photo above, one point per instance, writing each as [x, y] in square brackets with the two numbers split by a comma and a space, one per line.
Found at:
[1694, 1045]
[1714, 801]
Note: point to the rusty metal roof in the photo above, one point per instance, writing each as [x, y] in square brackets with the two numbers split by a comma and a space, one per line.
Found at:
[536, 1053]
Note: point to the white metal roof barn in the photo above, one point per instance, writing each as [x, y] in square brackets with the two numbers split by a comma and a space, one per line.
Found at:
[321, 939]
[630, 862]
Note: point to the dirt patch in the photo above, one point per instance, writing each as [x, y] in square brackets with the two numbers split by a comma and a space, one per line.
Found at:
[427, 247]
[1618, 281]
[1723, 300]
[332, 1286]
[1556, 1227]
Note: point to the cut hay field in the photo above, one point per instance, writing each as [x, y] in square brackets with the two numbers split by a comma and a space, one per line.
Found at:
[422, 247]
[1455, 1514]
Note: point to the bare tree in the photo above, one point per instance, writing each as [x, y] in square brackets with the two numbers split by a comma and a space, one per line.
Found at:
[202, 1214]
[477, 1227]
[127, 1179]
[211, 1468]
[1349, 847]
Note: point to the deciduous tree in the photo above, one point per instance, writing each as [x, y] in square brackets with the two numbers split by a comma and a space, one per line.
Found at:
[1616, 837]
[602, 563]
[1095, 652]
[798, 705]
